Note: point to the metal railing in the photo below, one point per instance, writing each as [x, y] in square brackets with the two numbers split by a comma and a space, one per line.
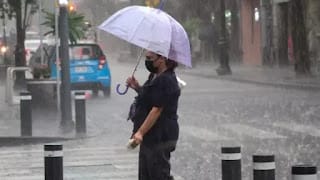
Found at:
[11, 97]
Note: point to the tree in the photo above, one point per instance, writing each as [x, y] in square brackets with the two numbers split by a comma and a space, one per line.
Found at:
[235, 49]
[267, 32]
[77, 25]
[99, 9]
[313, 28]
[282, 57]
[22, 10]
[299, 37]
[224, 68]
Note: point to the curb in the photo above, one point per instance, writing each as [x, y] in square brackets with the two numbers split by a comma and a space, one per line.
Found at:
[273, 84]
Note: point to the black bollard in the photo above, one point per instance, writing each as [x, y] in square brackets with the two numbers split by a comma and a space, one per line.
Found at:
[53, 162]
[80, 105]
[304, 172]
[25, 114]
[231, 163]
[264, 167]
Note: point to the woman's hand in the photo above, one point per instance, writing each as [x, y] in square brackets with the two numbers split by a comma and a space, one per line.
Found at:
[133, 83]
[148, 123]
[138, 137]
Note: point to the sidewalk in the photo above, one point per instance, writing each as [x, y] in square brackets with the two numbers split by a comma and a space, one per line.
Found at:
[46, 127]
[276, 77]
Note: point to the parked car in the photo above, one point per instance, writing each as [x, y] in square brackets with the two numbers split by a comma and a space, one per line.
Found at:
[89, 69]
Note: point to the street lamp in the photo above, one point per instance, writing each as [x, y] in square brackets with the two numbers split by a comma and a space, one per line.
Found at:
[65, 98]
[63, 3]
[72, 7]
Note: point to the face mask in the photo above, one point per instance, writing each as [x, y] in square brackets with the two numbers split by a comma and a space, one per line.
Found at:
[150, 67]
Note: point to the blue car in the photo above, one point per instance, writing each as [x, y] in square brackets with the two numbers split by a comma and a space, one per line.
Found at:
[89, 68]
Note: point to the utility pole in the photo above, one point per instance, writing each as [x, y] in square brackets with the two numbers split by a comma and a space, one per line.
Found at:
[66, 113]
[224, 68]
[58, 66]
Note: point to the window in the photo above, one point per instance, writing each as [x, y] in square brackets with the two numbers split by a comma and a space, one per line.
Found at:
[83, 52]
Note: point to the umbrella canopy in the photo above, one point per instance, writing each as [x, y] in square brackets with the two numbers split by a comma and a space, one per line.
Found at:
[151, 29]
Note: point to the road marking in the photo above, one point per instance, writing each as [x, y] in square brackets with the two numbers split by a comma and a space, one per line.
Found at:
[201, 133]
[300, 128]
[85, 149]
[207, 115]
[215, 90]
[116, 163]
[241, 130]
[107, 175]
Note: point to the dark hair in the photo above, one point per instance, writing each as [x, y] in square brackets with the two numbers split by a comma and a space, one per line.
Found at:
[171, 64]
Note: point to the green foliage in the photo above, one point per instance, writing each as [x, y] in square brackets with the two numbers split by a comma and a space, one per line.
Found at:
[49, 22]
[191, 25]
[42, 71]
[12, 6]
[77, 26]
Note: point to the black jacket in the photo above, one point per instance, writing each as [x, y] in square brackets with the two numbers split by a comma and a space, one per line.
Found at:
[162, 91]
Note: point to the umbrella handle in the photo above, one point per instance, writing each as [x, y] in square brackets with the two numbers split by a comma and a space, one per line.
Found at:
[124, 92]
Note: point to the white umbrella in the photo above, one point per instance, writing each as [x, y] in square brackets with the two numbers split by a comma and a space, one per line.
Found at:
[151, 29]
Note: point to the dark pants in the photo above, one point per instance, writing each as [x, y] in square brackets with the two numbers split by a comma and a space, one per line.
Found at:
[154, 161]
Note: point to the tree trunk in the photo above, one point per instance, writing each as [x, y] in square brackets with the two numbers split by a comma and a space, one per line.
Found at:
[283, 35]
[20, 58]
[235, 51]
[299, 37]
[224, 68]
[267, 33]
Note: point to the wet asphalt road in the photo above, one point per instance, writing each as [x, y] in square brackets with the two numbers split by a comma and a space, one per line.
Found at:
[213, 113]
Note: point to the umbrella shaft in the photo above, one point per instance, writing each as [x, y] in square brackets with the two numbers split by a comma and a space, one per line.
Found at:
[139, 59]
